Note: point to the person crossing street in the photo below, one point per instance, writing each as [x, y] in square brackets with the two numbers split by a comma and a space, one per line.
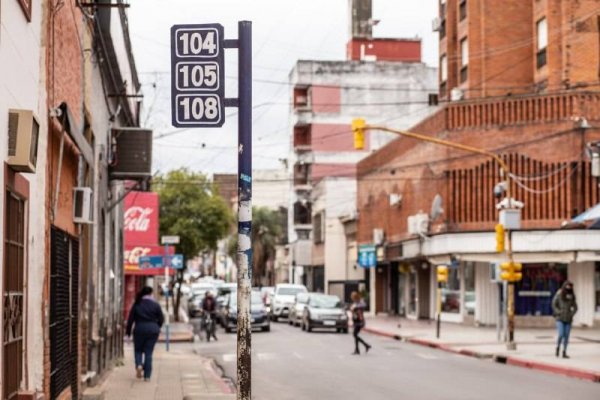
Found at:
[358, 318]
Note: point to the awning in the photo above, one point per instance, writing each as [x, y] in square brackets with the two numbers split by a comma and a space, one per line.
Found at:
[562, 245]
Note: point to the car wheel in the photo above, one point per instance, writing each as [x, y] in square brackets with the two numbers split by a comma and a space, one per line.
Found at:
[345, 330]
[267, 329]
[302, 326]
[227, 329]
[308, 328]
[275, 318]
[290, 322]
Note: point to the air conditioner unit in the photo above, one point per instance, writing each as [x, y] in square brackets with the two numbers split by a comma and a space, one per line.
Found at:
[82, 205]
[456, 94]
[395, 200]
[436, 24]
[418, 224]
[23, 134]
[378, 236]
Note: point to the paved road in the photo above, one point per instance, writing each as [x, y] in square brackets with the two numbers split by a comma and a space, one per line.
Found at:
[291, 364]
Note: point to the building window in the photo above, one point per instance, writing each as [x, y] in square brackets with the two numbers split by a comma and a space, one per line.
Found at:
[462, 10]
[443, 29]
[534, 293]
[302, 136]
[542, 42]
[318, 225]
[442, 9]
[443, 68]
[451, 293]
[301, 97]
[443, 89]
[464, 60]
[597, 280]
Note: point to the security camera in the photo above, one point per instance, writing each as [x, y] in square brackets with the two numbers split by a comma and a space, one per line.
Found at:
[499, 189]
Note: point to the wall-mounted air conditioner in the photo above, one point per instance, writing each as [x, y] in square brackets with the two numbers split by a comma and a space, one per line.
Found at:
[378, 236]
[418, 224]
[23, 134]
[82, 205]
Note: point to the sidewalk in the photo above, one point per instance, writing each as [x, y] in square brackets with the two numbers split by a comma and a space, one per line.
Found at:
[178, 374]
[535, 347]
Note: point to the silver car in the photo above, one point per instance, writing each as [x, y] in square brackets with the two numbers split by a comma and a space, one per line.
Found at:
[297, 310]
[324, 312]
[283, 299]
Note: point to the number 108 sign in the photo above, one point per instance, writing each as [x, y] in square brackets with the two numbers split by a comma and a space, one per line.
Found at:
[197, 76]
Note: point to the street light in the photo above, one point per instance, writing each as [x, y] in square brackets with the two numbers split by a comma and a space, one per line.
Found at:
[359, 127]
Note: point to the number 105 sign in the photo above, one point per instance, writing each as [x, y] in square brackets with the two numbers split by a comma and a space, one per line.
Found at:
[197, 76]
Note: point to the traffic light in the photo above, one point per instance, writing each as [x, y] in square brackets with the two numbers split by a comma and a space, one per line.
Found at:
[499, 238]
[511, 271]
[442, 273]
[358, 127]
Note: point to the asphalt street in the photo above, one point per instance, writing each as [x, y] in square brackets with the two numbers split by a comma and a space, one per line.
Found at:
[291, 364]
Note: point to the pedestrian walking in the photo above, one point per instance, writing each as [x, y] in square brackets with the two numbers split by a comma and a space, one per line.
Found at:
[564, 307]
[146, 318]
[358, 319]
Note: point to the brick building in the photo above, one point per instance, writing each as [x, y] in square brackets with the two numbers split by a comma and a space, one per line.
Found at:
[517, 78]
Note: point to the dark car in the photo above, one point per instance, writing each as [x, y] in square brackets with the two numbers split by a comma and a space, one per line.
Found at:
[324, 311]
[258, 313]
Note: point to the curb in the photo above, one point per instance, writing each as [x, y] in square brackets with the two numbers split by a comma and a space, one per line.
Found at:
[499, 358]
[217, 373]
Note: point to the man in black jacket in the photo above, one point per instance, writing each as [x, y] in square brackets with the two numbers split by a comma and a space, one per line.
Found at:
[209, 306]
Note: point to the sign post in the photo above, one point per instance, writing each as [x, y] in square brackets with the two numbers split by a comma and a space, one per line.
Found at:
[198, 101]
[166, 241]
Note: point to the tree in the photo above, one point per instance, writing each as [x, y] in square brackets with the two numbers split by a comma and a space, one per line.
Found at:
[267, 232]
[191, 209]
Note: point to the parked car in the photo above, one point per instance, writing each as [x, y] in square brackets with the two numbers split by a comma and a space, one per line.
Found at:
[259, 318]
[324, 311]
[222, 292]
[297, 310]
[202, 288]
[195, 305]
[283, 299]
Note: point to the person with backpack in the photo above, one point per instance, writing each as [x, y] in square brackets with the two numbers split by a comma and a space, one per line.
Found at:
[358, 319]
[564, 307]
[146, 318]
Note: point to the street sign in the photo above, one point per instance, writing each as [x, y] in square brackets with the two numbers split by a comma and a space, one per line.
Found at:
[176, 262]
[197, 76]
[367, 256]
[169, 240]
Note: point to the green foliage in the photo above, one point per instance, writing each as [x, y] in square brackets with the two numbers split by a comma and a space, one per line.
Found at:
[191, 208]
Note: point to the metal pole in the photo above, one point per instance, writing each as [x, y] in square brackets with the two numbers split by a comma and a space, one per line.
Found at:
[168, 318]
[510, 301]
[439, 310]
[244, 329]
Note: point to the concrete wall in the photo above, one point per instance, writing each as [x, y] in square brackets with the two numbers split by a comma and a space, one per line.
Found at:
[22, 79]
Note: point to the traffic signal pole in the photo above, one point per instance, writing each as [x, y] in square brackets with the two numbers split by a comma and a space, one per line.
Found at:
[358, 128]
[244, 253]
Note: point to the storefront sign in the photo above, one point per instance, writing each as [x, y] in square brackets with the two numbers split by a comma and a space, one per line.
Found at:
[140, 219]
[367, 256]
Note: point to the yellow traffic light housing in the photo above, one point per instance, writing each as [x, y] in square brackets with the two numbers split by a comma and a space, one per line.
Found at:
[358, 127]
[500, 238]
[442, 273]
[511, 271]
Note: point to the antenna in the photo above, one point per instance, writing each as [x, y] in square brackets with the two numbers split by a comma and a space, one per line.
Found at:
[436, 207]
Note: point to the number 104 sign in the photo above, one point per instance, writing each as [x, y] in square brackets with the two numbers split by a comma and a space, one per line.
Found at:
[197, 76]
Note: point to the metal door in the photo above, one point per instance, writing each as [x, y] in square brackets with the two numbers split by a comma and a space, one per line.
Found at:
[13, 295]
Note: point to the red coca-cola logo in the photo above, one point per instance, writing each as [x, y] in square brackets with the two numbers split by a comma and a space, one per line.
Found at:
[132, 256]
[137, 219]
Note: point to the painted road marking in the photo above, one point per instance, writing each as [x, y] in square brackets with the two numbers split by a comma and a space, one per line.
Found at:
[427, 356]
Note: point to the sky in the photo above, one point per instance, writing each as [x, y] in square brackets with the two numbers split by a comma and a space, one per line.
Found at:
[284, 31]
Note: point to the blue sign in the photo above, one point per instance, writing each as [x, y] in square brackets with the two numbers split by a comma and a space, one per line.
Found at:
[197, 76]
[146, 262]
[367, 256]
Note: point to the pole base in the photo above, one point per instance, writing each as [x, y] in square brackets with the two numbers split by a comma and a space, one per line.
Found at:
[511, 346]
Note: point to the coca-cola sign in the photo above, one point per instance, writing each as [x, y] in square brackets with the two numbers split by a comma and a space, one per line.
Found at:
[140, 219]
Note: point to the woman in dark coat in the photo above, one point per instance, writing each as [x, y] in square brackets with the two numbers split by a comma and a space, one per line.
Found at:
[146, 317]
[358, 318]
[564, 307]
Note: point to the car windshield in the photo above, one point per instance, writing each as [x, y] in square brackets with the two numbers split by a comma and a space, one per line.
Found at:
[290, 291]
[256, 299]
[325, 301]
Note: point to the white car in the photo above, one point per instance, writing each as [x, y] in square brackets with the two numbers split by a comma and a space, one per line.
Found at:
[284, 298]
[200, 288]
[297, 310]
